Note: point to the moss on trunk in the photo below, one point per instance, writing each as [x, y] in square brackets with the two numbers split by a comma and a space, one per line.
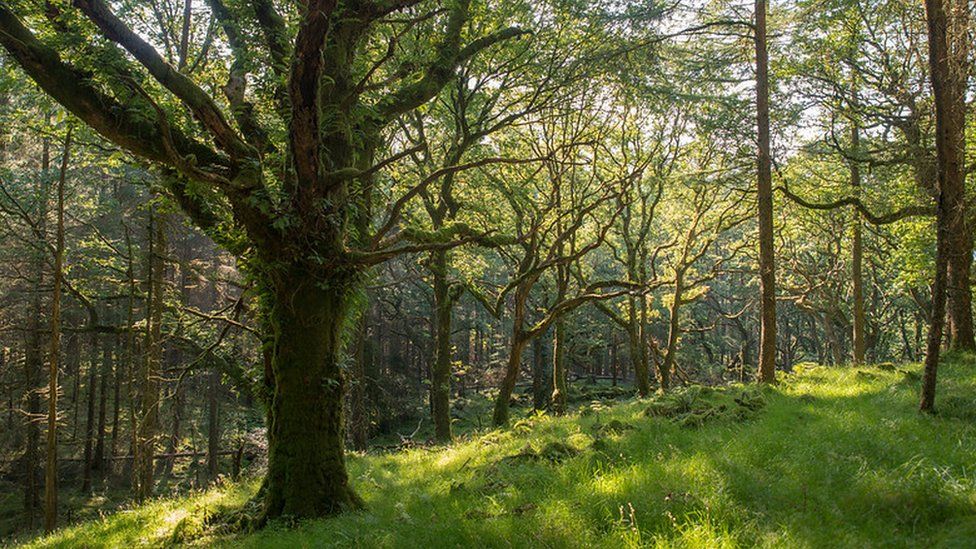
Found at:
[306, 463]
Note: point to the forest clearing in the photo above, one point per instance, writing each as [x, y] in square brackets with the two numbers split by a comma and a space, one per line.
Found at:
[555, 273]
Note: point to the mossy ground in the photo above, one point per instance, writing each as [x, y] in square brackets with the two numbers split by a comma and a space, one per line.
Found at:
[832, 457]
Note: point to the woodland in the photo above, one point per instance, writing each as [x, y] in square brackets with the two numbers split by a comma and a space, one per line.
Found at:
[487, 273]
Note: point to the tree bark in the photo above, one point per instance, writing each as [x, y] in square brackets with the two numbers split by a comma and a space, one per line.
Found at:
[306, 462]
[359, 420]
[541, 376]
[948, 55]
[98, 461]
[507, 387]
[637, 341]
[51, 469]
[674, 332]
[34, 355]
[559, 367]
[90, 416]
[213, 425]
[148, 402]
[857, 254]
[767, 269]
[440, 387]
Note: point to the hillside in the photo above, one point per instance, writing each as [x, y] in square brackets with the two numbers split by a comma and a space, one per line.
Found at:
[831, 457]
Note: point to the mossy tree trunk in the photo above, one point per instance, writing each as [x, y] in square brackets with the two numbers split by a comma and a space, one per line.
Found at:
[674, 333]
[637, 344]
[306, 463]
[541, 376]
[440, 387]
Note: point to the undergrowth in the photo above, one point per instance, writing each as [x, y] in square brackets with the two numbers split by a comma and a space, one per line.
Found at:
[831, 457]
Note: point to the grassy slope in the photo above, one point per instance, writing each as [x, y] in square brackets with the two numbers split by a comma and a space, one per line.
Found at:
[838, 457]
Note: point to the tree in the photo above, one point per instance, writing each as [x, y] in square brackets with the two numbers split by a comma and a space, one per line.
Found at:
[560, 216]
[948, 36]
[287, 206]
[54, 358]
[767, 267]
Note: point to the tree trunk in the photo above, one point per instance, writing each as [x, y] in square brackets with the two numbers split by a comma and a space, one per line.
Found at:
[359, 422]
[500, 414]
[116, 400]
[148, 424]
[306, 462]
[767, 270]
[178, 403]
[958, 285]
[98, 462]
[674, 332]
[213, 425]
[34, 354]
[857, 253]
[559, 368]
[948, 56]
[637, 340]
[90, 416]
[541, 378]
[51, 470]
[440, 386]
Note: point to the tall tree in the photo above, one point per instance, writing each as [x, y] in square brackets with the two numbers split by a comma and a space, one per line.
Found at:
[764, 196]
[948, 36]
[54, 358]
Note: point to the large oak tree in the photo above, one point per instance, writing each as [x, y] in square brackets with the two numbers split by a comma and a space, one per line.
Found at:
[288, 188]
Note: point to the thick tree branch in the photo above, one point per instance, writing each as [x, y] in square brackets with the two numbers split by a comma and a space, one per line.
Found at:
[898, 215]
[198, 101]
[441, 69]
[73, 89]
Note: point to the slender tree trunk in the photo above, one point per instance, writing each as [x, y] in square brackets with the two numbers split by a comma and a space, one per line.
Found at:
[767, 269]
[306, 462]
[99, 458]
[857, 253]
[674, 332]
[541, 376]
[91, 388]
[559, 367]
[116, 399]
[440, 387]
[637, 340]
[148, 424]
[178, 405]
[51, 470]
[34, 355]
[500, 414]
[73, 364]
[359, 422]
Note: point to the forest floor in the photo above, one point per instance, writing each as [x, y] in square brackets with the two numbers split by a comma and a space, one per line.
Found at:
[831, 457]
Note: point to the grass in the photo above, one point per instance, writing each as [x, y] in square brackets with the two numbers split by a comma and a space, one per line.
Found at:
[832, 457]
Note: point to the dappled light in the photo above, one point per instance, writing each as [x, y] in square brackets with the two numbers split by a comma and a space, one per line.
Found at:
[487, 273]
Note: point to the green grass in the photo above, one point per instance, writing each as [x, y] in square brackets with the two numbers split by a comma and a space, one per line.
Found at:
[835, 458]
